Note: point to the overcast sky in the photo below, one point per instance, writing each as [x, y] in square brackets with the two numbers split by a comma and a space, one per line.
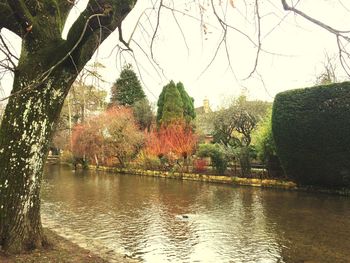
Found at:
[294, 48]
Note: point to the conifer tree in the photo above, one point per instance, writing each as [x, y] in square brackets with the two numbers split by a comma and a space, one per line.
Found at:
[127, 89]
[188, 107]
[172, 108]
[174, 104]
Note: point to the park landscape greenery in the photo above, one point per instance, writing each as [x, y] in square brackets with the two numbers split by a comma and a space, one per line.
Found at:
[305, 136]
[243, 133]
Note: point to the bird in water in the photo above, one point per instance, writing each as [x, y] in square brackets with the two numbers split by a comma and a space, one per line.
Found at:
[182, 217]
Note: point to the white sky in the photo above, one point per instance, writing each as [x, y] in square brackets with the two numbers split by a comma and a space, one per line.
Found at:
[301, 45]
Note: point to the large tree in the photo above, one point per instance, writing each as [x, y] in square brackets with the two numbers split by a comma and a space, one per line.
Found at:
[233, 127]
[127, 89]
[174, 104]
[170, 105]
[47, 67]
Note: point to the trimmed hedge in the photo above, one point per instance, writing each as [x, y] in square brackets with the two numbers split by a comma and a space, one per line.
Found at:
[311, 129]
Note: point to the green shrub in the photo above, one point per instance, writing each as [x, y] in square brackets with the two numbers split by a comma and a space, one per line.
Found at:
[216, 155]
[266, 148]
[67, 157]
[311, 131]
[148, 162]
[263, 140]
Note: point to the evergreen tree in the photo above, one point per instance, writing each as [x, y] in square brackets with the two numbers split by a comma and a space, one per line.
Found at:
[172, 109]
[174, 104]
[143, 114]
[188, 107]
[127, 89]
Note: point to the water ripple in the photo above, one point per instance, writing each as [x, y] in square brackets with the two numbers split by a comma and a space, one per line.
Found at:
[143, 218]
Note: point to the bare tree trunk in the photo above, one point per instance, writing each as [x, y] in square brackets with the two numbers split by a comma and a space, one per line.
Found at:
[25, 135]
[47, 67]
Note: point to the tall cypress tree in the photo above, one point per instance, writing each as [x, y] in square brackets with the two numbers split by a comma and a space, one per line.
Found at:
[188, 107]
[127, 89]
[174, 104]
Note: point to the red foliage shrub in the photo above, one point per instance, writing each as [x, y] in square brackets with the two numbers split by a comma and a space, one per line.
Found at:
[200, 165]
[109, 138]
[173, 141]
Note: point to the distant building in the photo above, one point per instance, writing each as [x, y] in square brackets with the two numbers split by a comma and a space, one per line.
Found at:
[203, 121]
[203, 109]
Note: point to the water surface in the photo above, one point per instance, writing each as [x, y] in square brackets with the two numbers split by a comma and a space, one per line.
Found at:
[141, 217]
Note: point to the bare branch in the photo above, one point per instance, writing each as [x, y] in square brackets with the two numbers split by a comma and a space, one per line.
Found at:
[259, 39]
[44, 76]
[313, 20]
[157, 26]
[7, 52]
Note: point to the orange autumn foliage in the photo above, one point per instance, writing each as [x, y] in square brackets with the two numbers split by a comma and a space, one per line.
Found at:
[109, 138]
[175, 140]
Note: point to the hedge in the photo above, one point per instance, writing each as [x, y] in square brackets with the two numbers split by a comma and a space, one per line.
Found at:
[311, 129]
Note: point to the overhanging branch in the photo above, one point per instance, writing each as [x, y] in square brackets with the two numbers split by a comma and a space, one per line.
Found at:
[111, 12]
[7, 18]
[21, 14]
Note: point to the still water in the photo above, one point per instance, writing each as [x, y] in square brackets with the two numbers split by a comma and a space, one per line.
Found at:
[141, 217]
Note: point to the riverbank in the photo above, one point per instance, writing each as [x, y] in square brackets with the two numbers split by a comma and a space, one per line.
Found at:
[221, 179]
[61, 250]
[232, 180]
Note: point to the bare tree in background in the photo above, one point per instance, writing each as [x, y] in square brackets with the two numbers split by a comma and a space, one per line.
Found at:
[328, 74]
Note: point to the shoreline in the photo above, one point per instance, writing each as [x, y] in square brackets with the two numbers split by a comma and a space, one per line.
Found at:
[223, 179]
[63, 250]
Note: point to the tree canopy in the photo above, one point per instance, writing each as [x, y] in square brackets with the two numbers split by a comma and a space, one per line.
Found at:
[174, 104]
[127, 89]
[143, 114]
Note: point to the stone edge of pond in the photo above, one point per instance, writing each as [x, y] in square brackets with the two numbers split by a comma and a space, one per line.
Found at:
[232, 180]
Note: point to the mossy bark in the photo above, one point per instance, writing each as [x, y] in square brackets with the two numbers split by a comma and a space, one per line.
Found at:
[47, 67]
[25, 135]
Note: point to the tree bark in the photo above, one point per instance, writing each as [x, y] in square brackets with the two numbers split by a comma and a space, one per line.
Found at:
[25, 136]
[47, 67]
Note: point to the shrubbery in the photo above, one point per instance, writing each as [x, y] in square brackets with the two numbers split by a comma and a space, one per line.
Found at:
[110, 138]
[172, 144]
[200, 165]
[148, 162]
[216, 155]
[311, 131]
[266, 148]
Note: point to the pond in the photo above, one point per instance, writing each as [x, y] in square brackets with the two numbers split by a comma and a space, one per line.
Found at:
[165, 220]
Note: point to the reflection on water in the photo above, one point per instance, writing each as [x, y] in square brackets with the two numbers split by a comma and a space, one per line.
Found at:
[139, 216]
